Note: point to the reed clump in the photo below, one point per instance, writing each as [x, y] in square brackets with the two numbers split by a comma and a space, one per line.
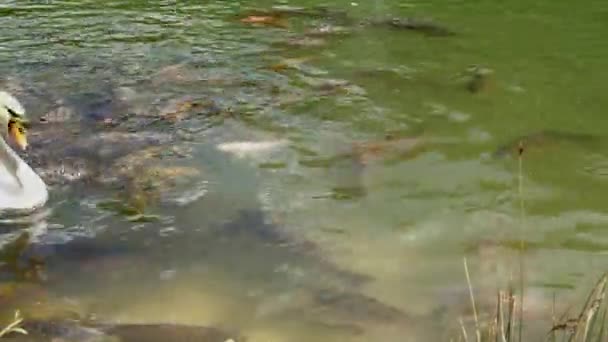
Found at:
[588, 325]
[507, 322]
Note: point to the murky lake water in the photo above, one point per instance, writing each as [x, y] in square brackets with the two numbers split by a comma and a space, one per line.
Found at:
[288, 243]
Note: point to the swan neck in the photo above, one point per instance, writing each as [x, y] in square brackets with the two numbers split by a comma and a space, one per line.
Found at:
[8, 157]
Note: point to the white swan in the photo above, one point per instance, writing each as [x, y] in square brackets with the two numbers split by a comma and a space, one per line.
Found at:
[21, 189]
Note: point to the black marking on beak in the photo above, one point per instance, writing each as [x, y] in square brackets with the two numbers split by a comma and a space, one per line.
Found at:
[12, 113]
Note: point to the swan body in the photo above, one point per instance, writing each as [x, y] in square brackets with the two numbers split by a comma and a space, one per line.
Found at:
[21, 188]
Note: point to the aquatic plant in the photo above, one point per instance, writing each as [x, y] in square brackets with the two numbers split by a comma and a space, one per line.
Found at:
[587, 326]
[14, 326]
[584, 327]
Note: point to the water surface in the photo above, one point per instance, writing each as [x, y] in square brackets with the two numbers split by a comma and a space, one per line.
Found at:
[305, 241]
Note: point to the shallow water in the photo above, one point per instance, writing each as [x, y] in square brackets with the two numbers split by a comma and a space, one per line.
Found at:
[300, 238]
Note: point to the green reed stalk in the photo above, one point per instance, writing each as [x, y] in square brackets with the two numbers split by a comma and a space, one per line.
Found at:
[522, 233]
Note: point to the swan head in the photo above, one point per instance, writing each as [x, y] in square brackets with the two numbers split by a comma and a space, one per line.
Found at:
[12, 119]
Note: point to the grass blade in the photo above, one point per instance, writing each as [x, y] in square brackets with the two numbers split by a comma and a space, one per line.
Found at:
[466, 271]
[464, 330]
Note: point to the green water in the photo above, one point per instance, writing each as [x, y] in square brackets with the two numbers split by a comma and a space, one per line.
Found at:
[403, 222]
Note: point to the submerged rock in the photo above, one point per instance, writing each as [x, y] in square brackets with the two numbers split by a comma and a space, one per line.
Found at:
[69, 149]
[68, 145]
[62, 156]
